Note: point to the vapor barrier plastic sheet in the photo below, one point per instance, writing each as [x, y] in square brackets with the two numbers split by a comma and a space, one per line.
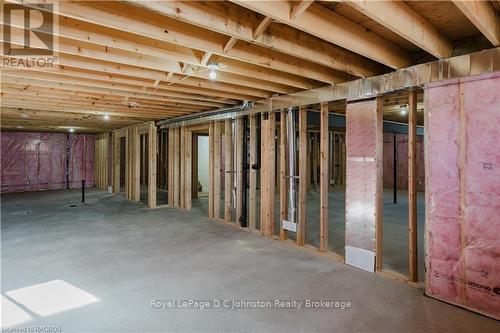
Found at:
[363, 128]
[463, 193]
[38, 161]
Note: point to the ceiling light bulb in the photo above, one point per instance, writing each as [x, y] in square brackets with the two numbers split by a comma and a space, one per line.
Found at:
[71, 130]
[212, 75]
[106, 116]
[403, 112]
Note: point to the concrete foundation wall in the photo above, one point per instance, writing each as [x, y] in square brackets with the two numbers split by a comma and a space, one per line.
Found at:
[463, 193]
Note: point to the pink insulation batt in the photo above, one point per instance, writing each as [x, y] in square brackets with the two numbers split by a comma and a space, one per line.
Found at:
[363, 135]
[463, 195]
[37, 161]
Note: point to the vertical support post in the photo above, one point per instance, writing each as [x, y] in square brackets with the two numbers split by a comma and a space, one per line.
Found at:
[182, 165]
[217, 168]
[170, 166]
[283, 174]
[268, 174]
[303, 179]
[252, 206]
[176, 166]
[83, 190]
[315, 161]
[412, 187]
[239, 169]
[395, 168]
[194, 167]
[211, 170]
[271, 142]
[116, 163]
[228, 177]
[152, 165]
[144, 156]
[136, 166]
[127, 165]
[323, 180]
[188, 150]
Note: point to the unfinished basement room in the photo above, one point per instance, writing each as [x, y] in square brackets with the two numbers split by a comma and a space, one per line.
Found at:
[250, 166]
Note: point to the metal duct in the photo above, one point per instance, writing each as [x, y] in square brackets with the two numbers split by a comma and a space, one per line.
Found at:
[204, 116]
[483, 62]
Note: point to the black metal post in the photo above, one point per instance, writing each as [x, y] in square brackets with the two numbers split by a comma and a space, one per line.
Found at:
[395, 169]
[83, 190]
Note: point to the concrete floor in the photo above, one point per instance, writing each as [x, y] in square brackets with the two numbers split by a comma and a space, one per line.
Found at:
[395, 225]
[123, 256]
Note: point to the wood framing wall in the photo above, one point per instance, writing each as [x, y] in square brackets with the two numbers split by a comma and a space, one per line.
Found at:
[102, 156]
[132, 161]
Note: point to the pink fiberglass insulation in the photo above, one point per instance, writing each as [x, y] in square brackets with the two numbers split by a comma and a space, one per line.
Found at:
[363, 140]
[81, 164]
[37, 161]
[463, 193]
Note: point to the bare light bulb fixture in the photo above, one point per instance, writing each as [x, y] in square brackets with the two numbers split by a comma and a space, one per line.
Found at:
[106, 116]
[213, 67]
[71, 130]
[404, 109]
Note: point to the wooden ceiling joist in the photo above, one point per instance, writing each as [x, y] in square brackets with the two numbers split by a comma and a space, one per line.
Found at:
[400, 18]
[123, 17]
[483, 16]
[336, 29]
[148, 60]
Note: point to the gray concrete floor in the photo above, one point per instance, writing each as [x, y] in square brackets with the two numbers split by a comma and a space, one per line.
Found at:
[125, 255]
